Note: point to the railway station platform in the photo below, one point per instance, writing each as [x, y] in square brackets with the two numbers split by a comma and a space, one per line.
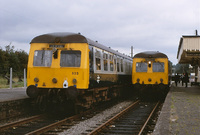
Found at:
[12, 94]
[180, 114]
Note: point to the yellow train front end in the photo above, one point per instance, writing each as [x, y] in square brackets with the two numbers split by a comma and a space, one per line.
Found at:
[57, 69]
[70, 66]
[150, 74]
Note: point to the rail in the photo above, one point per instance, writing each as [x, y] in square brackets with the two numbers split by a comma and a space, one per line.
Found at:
[139, 113]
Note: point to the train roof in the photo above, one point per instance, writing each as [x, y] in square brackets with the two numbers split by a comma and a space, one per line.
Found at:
[150, 54]
[67, 37]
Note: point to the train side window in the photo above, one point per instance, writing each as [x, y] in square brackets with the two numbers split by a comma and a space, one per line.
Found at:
[122, 65]
[70, 58]
[158, 67]
[115, 65]
[126, 67]
[141, 67]
[111, 63]
[105, 61]
[118, 62]
[98, 60]
[42, 58]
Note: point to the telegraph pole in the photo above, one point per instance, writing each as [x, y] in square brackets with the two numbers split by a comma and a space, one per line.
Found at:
[131, 51]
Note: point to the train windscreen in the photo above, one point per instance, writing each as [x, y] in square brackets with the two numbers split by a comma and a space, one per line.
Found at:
[70, 58]
[141, 67]
[158, 67]
[42, 58]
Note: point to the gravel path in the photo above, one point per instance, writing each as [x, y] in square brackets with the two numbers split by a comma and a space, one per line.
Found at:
[89, 124]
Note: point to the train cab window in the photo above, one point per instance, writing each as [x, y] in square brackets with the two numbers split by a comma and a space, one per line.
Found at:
[105, 61]
[158, 67]
[70, 58]
[42, 58]
[141, 67]
[98, 60]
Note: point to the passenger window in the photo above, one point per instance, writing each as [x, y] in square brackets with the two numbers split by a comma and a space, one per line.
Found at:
[42, 58]
[98, 60]
[115, 65]
[126, 67]
[111, 63]
[70, 58]
[118, 62]
[122, 70]
[105, 57]
[158, 67]
[141, 67]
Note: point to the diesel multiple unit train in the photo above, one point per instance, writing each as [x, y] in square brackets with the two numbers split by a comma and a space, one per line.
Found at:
[151, 74]
[69, 66]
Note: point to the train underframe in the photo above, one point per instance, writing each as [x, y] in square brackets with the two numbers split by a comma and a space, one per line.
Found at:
[71, 99]
[152, 91]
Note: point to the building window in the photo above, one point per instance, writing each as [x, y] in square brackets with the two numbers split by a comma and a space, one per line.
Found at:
[42, 58]
[70, 58]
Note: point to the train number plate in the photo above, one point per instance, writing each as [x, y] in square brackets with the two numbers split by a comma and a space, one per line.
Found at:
[74, 73]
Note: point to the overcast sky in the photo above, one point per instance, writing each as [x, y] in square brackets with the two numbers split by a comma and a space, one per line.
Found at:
[147, 25]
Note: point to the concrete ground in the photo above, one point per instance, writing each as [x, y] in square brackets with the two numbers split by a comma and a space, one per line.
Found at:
[12, 94]
[180, 114]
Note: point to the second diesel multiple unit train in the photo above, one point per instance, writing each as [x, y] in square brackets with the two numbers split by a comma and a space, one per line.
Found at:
[69, 66]
[151, 74]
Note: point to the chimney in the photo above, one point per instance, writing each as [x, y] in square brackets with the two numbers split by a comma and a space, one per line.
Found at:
[196, 32]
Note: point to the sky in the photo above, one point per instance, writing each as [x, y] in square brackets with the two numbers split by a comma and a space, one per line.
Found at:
[147, 25]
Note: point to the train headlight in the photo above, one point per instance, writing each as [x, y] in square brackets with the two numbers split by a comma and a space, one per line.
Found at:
[161, 80]
[74, 81]
[149, 64]
[65, 84]
[36, 79]
[54, 80]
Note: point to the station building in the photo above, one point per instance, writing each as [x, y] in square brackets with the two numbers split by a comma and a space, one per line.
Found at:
[189, 52]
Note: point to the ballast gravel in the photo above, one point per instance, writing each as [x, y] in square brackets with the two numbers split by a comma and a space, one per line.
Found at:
[90, 124]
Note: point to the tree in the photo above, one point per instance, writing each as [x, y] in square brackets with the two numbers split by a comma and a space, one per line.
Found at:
[4, 64]
[10, 58]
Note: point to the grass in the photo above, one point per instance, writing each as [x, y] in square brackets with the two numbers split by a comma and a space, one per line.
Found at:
[3, 83]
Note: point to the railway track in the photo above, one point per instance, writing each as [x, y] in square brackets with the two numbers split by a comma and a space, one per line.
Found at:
[39, 124]
[132, 120]
[45, 124]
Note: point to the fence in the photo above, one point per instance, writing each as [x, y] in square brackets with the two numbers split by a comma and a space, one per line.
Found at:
[11, 78]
